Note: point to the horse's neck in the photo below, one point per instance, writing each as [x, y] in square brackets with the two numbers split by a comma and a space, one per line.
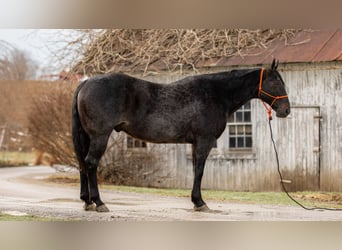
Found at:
[239, 90]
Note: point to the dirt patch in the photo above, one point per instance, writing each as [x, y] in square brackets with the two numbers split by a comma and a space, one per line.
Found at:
[60, 200]
[321, 197]
[70, 179]
[62, 179]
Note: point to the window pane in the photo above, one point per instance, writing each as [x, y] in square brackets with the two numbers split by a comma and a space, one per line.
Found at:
[240, 142]
[232, 130]
[241, 130]
[248, 129]
[232, 143]
[247, 116]
[239, 116]
[248, 142]
[129, 142]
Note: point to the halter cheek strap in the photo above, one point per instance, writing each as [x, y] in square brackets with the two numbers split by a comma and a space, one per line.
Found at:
[261, 91]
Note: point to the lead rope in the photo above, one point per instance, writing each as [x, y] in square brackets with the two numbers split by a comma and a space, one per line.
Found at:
[282, 180]
[269, 114]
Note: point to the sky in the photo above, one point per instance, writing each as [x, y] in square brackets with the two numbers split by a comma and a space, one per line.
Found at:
[39, 44]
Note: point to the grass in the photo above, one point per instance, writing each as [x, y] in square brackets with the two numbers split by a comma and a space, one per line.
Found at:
[16, 158]
[309, 199]
[9, 217]
[272, 198]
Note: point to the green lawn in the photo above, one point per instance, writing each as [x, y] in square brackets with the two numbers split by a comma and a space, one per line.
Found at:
[273, 198]
[8, 217]
[321, 199]
[16, 158]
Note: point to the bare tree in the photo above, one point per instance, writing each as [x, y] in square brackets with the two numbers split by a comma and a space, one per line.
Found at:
[15, 64]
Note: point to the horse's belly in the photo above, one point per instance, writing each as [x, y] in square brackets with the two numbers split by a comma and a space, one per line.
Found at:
[157, 134]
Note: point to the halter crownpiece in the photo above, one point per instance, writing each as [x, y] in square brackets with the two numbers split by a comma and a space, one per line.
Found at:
[275, 98]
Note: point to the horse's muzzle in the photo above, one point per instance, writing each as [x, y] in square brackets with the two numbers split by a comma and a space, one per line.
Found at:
[283, 112]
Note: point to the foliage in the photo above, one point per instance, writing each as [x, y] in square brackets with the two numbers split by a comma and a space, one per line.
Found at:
[15, 102]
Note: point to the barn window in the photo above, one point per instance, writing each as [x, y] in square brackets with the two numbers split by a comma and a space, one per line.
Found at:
[134, 143]
[240, 128]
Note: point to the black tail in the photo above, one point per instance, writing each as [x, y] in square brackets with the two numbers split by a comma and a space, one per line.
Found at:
[79, 137]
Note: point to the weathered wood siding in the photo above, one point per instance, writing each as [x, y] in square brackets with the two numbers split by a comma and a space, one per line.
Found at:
[321, 85]
[309, 141]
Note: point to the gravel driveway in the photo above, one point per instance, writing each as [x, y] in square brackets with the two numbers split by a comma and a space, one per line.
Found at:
[21, 192]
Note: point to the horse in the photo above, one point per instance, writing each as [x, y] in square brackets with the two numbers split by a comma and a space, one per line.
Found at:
[192, 110]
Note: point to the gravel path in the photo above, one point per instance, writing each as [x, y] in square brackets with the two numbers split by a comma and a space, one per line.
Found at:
[21, 192]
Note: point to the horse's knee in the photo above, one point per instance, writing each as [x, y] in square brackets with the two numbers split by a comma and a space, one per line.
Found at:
[91, 163]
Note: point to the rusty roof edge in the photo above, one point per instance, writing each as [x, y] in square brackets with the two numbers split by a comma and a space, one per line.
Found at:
[264, 56]
[338, 57]
[324, 45]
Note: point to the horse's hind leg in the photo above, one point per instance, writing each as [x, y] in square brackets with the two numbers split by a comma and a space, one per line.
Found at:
[97, 148]
[88, 204]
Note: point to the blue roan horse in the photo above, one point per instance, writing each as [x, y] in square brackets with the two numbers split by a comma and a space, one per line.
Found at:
[192, 110]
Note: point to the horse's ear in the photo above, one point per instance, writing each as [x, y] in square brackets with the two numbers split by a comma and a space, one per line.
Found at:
[274, 66]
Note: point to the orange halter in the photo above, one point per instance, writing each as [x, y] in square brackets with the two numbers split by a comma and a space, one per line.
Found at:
[275, 98]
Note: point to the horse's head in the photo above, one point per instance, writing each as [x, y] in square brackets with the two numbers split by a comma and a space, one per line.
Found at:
[272, 90]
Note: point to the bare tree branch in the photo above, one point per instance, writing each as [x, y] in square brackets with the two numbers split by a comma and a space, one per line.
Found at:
[15, 64]
[102, 51]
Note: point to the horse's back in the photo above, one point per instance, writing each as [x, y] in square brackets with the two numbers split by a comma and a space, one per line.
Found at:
[150, 111]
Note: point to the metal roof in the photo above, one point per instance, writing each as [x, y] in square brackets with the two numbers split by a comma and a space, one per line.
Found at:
[305, 46]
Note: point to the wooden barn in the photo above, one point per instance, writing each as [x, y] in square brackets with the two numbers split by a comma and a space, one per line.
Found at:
[309, 141]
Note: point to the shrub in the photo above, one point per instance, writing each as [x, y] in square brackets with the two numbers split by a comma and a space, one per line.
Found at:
[134, 167]
[50, 123]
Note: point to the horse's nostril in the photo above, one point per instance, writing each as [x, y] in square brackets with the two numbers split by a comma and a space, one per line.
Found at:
[287, 111]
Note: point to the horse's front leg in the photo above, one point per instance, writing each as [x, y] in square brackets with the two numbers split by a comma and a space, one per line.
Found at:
[200, 152]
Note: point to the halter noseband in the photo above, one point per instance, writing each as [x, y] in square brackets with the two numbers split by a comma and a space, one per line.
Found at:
[275, 98]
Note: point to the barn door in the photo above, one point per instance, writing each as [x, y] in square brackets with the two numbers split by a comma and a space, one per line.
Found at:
[299, 148]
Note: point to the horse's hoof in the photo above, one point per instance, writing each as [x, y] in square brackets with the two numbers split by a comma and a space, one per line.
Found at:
[102, 208]
[89, 207]
[203, 208]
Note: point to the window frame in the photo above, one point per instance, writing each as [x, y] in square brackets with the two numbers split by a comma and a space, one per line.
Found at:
[135, 143]
[236, 122]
